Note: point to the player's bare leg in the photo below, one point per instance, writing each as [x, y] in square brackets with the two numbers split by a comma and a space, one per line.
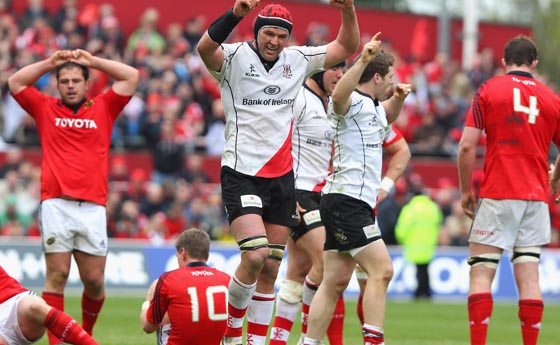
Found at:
[261, 307]
[480, 302]
[92, 274]
[58, 268]
[531, 304]
[337, 274]
[35, 315]
[250, 233]
[376, 262]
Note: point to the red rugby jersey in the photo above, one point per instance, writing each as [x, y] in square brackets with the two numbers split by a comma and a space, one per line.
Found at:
[521, 117]
[9, 287]
[195, 298]
[75, 145]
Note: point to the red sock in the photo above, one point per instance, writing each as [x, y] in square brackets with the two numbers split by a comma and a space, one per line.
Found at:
[90, 311]
[480, 310]
[304, 316]
[372, 335]
[280, 331]
[530, 315]
[306, 302]
[360, 308]
[236, 313]
[67, 329]
[55, 300]
[336, 327]
[259, 315]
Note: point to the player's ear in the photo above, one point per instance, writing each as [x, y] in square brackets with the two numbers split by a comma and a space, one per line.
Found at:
[183, 254]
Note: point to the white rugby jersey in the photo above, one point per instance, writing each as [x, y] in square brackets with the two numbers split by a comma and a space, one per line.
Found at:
[358, 149]
[311, 141]
[258, 106]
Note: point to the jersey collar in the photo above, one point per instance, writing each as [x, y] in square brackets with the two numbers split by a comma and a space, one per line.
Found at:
[196, 264]
[267, 64]
[75, 107]
[521, 74]
[375, 100]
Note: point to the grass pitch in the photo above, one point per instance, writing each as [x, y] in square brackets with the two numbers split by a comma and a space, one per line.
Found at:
[406, 323]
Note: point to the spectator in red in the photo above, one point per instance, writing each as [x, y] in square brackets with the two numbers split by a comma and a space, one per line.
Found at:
[137, 186]
[175, 220]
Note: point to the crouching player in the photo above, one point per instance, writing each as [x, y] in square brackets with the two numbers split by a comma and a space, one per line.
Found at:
[25, 317]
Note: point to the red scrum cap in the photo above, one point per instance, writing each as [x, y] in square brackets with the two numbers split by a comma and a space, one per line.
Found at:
[274, 15]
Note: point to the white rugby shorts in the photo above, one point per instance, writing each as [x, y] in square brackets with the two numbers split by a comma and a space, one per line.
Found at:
[68, 225]
[511, 223]
[9, 326]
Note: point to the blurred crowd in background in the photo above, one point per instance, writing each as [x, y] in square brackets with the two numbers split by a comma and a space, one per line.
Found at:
[177, 115]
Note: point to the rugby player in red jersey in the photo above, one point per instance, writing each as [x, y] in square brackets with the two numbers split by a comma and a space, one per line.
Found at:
[193, 298]
[521, 117]
[24, 317]
[75, 134]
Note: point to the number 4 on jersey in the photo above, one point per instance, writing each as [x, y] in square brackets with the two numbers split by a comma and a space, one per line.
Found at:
[532, 111]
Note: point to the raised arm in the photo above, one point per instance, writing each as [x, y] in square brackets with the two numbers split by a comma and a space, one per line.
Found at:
[466, 160]
[208, 46]
[29, 74]
[341, 94]
[348, 39]
[394, 105]
[125, 76]
[400, 156]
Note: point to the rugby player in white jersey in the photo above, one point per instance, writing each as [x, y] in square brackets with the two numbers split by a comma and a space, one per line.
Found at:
[359, 118]
[311, 151]
[396, 147]
[259, 81]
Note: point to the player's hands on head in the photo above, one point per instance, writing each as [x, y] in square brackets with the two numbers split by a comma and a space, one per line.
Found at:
[243, 7]
[342, 4]
[82, 57]
[371, 48]
[402, 90]
[61, 56]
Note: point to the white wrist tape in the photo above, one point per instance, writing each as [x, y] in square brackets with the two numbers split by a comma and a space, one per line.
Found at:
[387, 184]
[145, 305]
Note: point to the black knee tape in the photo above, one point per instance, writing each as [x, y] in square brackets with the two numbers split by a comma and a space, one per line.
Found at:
[489, 260]
[276, 252]
[253, 243]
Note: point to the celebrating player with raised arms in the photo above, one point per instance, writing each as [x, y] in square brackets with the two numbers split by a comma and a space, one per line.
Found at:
[259, 81]
[360, 115]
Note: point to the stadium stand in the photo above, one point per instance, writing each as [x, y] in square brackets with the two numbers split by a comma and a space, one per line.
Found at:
[176, 113]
